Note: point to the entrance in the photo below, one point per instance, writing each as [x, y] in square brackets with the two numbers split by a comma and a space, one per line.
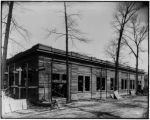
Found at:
[59, 85]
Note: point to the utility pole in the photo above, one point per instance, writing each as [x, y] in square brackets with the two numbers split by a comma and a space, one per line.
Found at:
[67, 63]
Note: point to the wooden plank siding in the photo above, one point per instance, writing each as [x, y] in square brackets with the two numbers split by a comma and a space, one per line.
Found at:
[40, 60]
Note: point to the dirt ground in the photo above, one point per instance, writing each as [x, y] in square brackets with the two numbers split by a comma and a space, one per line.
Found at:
[129, 107]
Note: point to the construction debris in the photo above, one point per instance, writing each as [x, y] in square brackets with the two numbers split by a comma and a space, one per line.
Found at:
[117, 96]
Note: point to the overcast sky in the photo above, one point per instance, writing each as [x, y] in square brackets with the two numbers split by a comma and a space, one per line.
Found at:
[95, 22]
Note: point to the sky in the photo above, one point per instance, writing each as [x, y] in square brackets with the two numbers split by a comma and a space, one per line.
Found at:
[95, 22]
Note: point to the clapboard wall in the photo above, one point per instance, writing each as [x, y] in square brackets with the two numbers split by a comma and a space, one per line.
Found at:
[43, 60]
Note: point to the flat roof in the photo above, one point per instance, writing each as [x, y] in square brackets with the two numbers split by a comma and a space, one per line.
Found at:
[49, 49]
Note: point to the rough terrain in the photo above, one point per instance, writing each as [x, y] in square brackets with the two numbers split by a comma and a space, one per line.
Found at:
[129, 107]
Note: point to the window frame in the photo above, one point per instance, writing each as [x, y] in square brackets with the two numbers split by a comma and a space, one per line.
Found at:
[132, 84]
[98, 85]
[102, 83]
[112, 83]
[84, 83]
[122, 84]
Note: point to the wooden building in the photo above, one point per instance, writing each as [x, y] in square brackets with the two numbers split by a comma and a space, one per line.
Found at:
[39, 73]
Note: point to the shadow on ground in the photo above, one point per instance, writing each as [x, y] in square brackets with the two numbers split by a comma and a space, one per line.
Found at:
[97, 114]
[100, 114]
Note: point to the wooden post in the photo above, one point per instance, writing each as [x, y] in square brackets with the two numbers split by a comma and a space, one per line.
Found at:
[101, 84]
[114, 82]
[19, 70]
[51, 75]
[91, 82]
[106, 78]
[44, 90]
[27, 81]
[48, 88]
[128, 83]
[8, 78]
[14, 83]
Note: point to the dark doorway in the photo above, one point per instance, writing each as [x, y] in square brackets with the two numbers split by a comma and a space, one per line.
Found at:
[59, 86]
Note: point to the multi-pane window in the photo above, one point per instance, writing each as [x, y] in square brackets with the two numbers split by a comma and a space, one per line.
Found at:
[87, 83]
[123, 83]
[132, 84]
[103, 83]
[98, 83]
[83, 83]
[111, 83]
[80, 83]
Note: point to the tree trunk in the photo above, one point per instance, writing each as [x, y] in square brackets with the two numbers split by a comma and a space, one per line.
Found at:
[67, 64]
[6, 42]
[116, 86]
[136, 80]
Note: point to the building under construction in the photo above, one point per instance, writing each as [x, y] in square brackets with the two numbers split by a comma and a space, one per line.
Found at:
[39, 73]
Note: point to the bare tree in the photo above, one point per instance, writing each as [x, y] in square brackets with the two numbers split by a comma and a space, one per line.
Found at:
[71, 33]
[124, 13]
[134, 39]
[10, 25]
[111, 51]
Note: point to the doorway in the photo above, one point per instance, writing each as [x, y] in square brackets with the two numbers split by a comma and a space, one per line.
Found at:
[59, 85]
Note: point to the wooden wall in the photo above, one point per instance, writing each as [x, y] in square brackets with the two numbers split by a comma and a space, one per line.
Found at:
[76, 70]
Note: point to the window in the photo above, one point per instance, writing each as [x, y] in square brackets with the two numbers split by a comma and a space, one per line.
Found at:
[132, 84]
[103, 83]
[80, 83]
[87, 83]
[56, 76]
[122, 80]
[98, 83]
[111, 83]
[125, 84]
[64, 77]
[83, 83]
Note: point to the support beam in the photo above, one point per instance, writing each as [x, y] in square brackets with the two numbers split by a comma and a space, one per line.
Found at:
[19, 70]
[106, 80]
[14, 83]
[91, 82]
[27, 70]
[51, 82]
[101, 84]
[8, 78]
